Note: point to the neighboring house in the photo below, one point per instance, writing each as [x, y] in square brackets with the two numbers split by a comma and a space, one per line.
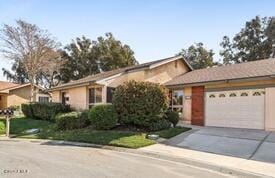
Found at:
[97, 89]
[239, 95]
[12, 94]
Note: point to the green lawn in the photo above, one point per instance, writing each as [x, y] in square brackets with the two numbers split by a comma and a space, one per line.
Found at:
[169, 133]
[119, 138]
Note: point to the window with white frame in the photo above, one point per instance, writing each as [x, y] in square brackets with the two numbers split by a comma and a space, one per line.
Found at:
[177, 101]
[43, 99]
[95, 95]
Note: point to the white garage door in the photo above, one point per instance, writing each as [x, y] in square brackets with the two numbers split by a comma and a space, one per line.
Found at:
[236, 108]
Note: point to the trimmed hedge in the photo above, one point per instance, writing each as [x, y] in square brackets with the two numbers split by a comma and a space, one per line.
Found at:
[173, 117]
[71, 120]
[103, 117]
[43, 111]
[140, 103]
[27, 110]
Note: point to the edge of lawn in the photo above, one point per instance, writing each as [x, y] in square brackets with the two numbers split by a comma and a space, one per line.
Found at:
[127, 139]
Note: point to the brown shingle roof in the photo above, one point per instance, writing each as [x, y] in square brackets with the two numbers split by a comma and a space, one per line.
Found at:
[5, 85]
[103, 75]
[259, 68]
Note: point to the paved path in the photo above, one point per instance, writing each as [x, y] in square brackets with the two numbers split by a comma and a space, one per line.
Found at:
[243, 143]
[35, 159]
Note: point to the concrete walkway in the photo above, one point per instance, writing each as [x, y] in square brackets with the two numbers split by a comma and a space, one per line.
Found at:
[252, 144]
[215, 160]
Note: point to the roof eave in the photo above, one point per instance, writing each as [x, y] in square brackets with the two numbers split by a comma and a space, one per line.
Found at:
[267, 77]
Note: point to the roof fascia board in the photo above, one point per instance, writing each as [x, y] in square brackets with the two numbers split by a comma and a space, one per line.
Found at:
[164, 62]
[69, 86]
[103, 81]
[221, 81]
[171, 60]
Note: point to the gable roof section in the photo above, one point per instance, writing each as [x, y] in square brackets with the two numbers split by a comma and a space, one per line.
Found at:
[103, 75]
[17, 86]
[261, 68]
[5, 85]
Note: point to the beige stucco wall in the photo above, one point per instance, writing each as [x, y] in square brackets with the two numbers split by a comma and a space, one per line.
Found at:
[19, 96]
[166, 72]
[160, 74]
[56, 96]
[187, 104]
[119, 80]
[269, 109]
[3, 101]
[78, 98]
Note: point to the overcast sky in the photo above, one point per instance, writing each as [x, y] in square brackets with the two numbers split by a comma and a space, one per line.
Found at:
[154, 29]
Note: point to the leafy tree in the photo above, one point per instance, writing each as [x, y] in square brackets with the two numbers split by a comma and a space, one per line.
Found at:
[198, 56]
[112, 54]
[81, 60]
[30, 48]
[18, 74]
[86, 57]
[254, 42]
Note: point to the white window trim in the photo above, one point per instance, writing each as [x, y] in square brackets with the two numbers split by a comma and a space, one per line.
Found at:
[95, 103]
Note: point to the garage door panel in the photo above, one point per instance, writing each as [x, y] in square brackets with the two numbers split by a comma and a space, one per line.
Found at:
[237, 111]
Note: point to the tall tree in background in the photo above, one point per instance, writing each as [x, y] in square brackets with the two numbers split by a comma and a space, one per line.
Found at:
[29, 47]
[198, 56]
[81, 60]
[254, 42]
[112, 54]
[86, 57]
[18, 74]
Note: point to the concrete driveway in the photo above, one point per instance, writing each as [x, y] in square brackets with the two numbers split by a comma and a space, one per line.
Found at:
[244, 143]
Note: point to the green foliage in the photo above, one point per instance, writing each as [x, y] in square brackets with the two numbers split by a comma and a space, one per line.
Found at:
[103, 117]
[198, 56]
[86, 57]
[254, 42]
[72, 120]
[43, 111]
[172, 116]
[140, 103]
[15, 107]
[160, 124]
[171, 132]
[27, 110]
[85, 115]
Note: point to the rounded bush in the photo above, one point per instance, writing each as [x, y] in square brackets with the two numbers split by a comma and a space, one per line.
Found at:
[173, 117]
[160, 125]
[69, 121]
[140, 103]
[103, 117]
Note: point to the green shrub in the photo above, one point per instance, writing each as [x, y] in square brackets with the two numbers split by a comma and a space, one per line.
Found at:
[71, 120]
[103, 117]
[173, 117]
[85, 115]
[27, 110]
[43, 111]
[140, 103]
[161, 124]
[47, 111]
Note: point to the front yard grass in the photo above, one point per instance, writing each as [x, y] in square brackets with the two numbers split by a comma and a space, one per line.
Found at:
[171, 132]
[128, 139]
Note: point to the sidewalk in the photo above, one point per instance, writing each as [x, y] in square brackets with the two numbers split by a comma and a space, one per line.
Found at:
[218, 161]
